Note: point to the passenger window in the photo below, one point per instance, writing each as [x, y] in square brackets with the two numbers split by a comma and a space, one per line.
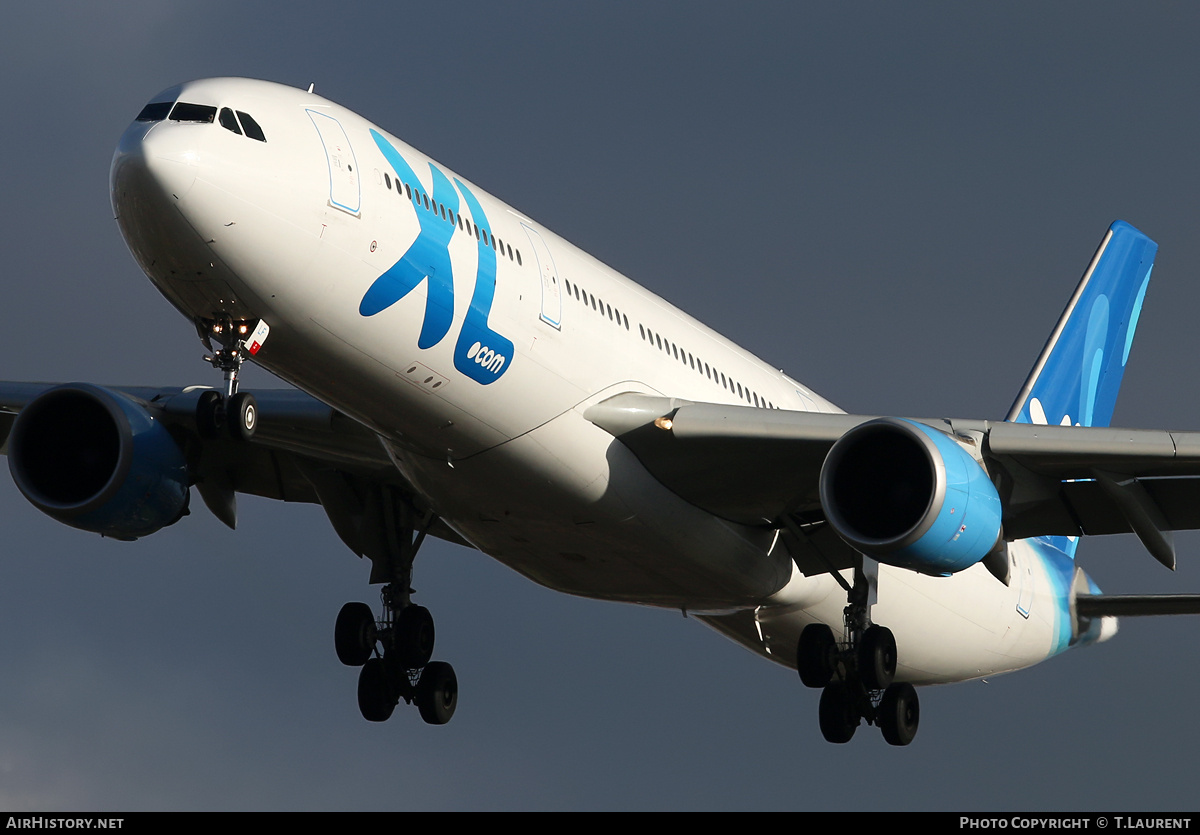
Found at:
[387, 180]
[251, 127]
[155, 111]
[185, 112]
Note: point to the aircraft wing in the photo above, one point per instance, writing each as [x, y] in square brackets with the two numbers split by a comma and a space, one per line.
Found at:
[764, 466]
[302, 451]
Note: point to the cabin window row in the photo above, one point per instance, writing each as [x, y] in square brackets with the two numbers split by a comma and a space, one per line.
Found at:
[598, 305]
[669, 348]
[420, 199]
[699, 366]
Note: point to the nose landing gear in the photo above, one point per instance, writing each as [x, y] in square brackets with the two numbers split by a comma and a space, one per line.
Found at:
[235, 412]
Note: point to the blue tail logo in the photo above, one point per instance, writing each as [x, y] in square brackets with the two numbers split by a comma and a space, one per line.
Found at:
[480, 352]
[1078, 375]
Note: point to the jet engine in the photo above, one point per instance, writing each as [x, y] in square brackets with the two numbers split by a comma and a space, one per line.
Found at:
[909, 495]
[98, 460]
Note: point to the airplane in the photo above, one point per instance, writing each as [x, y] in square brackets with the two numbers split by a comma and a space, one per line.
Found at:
[592, 437]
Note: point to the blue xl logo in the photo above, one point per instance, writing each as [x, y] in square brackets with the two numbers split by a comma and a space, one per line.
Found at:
[480, 352]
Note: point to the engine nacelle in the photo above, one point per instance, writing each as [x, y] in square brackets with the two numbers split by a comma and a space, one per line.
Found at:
[909, 495]
[97, 460]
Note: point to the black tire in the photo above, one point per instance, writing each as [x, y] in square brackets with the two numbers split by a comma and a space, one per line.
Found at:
[414, 636]
[242, 416]
[899, 714]
[354, 634]
[837, 713]
[815, 655]
[210, 415]
[877, 658]
[375, 699]
[437, 693]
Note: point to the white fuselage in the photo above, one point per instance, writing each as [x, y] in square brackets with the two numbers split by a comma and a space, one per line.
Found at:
[298, 229]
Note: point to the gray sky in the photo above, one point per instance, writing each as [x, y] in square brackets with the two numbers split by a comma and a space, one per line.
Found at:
[890, 201]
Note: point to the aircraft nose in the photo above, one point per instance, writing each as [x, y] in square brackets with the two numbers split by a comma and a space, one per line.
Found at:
[153, 161]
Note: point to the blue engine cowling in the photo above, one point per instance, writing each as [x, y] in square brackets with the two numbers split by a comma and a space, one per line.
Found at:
[97, 460]
[909, 495]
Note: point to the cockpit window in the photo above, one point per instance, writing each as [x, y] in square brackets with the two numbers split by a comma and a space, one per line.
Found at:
[155, 111]
[251, 127]
[185, 112]
[228, 121]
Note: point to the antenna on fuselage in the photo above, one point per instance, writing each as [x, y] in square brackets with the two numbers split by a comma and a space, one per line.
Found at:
[311, 84]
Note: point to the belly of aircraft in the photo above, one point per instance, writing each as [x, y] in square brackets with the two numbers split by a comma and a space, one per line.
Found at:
[571, 508]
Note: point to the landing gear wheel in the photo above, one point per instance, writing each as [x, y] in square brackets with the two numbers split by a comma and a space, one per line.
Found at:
[837, 713]
[242, 416]
[815, 655]
[354, 634]
[437, 693]
[210, 415]
[375, 699]
[414, 639]
[877, 658]
[899, 714]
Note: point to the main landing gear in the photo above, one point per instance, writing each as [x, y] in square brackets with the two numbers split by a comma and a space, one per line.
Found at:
[395, 649]
[394, 653]
[857, 675]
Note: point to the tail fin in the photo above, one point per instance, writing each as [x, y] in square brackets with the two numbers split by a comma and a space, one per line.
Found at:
[1076, 379]
[1078, 374]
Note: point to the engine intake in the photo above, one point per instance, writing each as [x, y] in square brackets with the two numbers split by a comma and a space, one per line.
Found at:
[97, 460]
[909, 495]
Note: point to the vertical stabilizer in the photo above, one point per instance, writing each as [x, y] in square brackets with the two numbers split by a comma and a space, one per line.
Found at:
[1078, 374]
[1076, 379]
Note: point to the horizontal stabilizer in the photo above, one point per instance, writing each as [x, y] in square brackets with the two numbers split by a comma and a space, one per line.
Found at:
[1134, 605]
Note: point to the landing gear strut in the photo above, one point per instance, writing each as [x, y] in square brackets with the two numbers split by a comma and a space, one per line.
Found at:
[857, 675]
[394, 654]
[235, 412]
[394, 650]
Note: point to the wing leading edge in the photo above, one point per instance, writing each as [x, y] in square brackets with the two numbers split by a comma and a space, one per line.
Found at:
[302, 451]
[1076, 477]
[756, 466]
